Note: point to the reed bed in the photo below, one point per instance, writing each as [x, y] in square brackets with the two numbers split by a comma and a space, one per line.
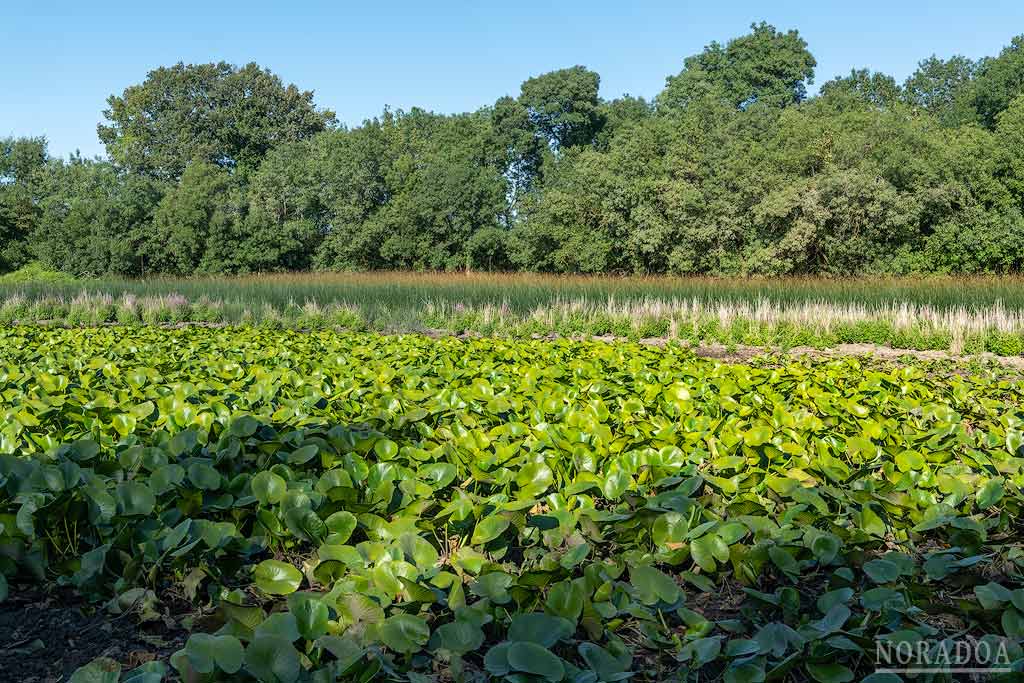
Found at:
[525, 292]
[758, 321]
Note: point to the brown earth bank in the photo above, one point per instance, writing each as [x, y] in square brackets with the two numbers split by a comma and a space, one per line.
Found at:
[46, 634]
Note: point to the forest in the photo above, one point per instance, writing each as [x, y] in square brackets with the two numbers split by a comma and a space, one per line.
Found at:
[733, 169]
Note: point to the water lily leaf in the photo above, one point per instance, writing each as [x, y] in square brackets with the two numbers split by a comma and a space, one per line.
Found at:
[276, 577]
[404, 633]
[990, 493]
[565, 599]
[829, 672]
[653, 585]
[272, 659]
[207, 653]
[489, 529]
[457, 638]
[100, 670]
[535, 659]
[543, 629]
[268, 488]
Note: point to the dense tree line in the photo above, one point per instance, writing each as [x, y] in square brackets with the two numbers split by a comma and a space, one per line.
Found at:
[731, 169]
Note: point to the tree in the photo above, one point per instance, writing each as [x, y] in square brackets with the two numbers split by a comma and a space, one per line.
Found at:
[938, 86]
[562, 106]
[862, 88]
[1010, 134]
[22, 161]
[94, 220]
[410, 190]
[998, 81]
[216, 113]
[198, 226]
[764, 66]
[620, 113]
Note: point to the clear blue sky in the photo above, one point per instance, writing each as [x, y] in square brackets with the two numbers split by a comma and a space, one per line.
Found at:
[62, 59]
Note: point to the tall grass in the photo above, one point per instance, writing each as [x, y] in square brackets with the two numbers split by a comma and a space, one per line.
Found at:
[521, 293]
[762, 321]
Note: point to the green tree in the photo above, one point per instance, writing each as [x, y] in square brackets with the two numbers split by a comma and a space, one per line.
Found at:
[199, 225]
[861, 88]
[999, 80]
[764, 66]
[217, 113]
[1010, 136]
[94, 220]
[939, 86]
[563, 106]
[22, 162]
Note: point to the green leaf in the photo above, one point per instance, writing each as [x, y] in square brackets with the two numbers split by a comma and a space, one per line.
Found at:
[990, 493]
[829, 672]
[303, 455]
[134, 499]
[488, 529]
[277, 578]
[535, 659]
[243, 426]
[494, 586]
[881, 571]
[653, 585]
[404, 633]
[457, 638]
[311, 615]
[543, 629]
[272, 659]
[268, 488]
[341, 525]
[565, 599]
[992, 595]
[101, 670]
[207, 653]
[708, 548]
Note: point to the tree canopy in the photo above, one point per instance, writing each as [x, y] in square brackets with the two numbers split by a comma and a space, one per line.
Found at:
[734, 168]
[217, 113]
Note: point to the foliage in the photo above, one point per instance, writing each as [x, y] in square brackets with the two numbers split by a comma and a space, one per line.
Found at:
[353, 506]
[732, 170]
[217, 113]
[763, 67]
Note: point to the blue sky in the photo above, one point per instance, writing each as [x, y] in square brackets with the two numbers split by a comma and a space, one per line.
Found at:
[62, 59]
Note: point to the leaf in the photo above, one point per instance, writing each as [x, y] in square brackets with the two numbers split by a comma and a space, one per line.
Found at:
[881, 571]
[272, 659]
[204, 476]
[543, 629]
[992, 595]
[303, 455]
[207, 653]
[341, 525]
[707, 549]
[488, 529]
[101, 670]
[386, 449]
[404, 633]
[494, 586]
[565, 599]
[268, 488]
[277, 578]
[829, 672]
[990, 493]
[243, 426]
[457, 638]
[134, 499]
[311, 615]
[653, 585]
[535, 659]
